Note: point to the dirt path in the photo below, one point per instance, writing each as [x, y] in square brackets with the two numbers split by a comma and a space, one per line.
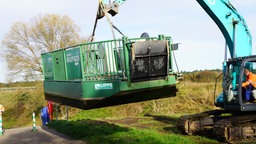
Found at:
[43, 135]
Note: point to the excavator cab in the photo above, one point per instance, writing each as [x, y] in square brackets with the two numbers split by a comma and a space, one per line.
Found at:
[236, 97]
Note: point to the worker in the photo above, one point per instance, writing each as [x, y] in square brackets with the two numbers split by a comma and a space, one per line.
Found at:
[1, 109]
[1, 112]
[45, 115]
[50, 109]
[250, 83]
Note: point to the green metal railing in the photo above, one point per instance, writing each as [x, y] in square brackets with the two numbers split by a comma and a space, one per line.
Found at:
[107, 59]
[101, 60]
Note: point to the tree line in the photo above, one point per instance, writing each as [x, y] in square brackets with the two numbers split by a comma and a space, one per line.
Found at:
[203, 75]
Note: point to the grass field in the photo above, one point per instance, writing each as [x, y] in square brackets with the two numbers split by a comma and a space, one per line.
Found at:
[139, 130]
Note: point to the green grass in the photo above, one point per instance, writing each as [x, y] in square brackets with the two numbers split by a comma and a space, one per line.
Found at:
[98, 131]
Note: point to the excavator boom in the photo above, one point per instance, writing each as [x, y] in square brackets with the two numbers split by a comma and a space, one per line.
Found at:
[231, 24]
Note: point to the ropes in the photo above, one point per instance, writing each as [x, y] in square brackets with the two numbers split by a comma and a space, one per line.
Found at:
[94, 28]
[109, 21]
[101, 12]
[96, 20]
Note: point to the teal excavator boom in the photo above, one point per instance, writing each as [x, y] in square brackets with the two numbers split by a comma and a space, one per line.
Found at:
[231, 24]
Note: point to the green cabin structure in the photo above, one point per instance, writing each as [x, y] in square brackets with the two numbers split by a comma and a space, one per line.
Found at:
[107, 73]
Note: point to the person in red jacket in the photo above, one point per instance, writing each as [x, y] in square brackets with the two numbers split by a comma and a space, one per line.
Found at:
[50, 109]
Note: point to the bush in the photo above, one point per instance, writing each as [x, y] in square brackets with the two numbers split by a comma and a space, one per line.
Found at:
[202, 76]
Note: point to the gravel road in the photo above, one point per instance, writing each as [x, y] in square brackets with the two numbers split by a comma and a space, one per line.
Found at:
[43, 135]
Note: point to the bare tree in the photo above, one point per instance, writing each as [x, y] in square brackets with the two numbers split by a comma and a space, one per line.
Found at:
[25, 42]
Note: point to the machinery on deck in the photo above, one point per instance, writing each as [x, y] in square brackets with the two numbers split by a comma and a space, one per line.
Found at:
[236, 121]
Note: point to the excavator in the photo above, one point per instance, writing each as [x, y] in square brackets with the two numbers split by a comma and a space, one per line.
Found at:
[235, 118]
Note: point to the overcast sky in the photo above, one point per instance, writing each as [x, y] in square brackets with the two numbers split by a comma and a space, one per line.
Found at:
[202, 44]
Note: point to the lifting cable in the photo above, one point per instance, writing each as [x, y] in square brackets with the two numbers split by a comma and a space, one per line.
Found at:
[101, 6]
[94, 28]
[95, 23]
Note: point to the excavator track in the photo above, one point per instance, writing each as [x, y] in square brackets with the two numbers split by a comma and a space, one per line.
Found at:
[226, 126]
[191, 124]
[239, 128]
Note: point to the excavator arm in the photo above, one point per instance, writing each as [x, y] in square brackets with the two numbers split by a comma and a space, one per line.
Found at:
[231, 24]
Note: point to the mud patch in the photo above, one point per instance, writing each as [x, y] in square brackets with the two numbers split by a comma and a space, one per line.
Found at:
[162, 124]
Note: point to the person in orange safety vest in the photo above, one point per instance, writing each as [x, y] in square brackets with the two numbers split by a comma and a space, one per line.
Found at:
[250, 81]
